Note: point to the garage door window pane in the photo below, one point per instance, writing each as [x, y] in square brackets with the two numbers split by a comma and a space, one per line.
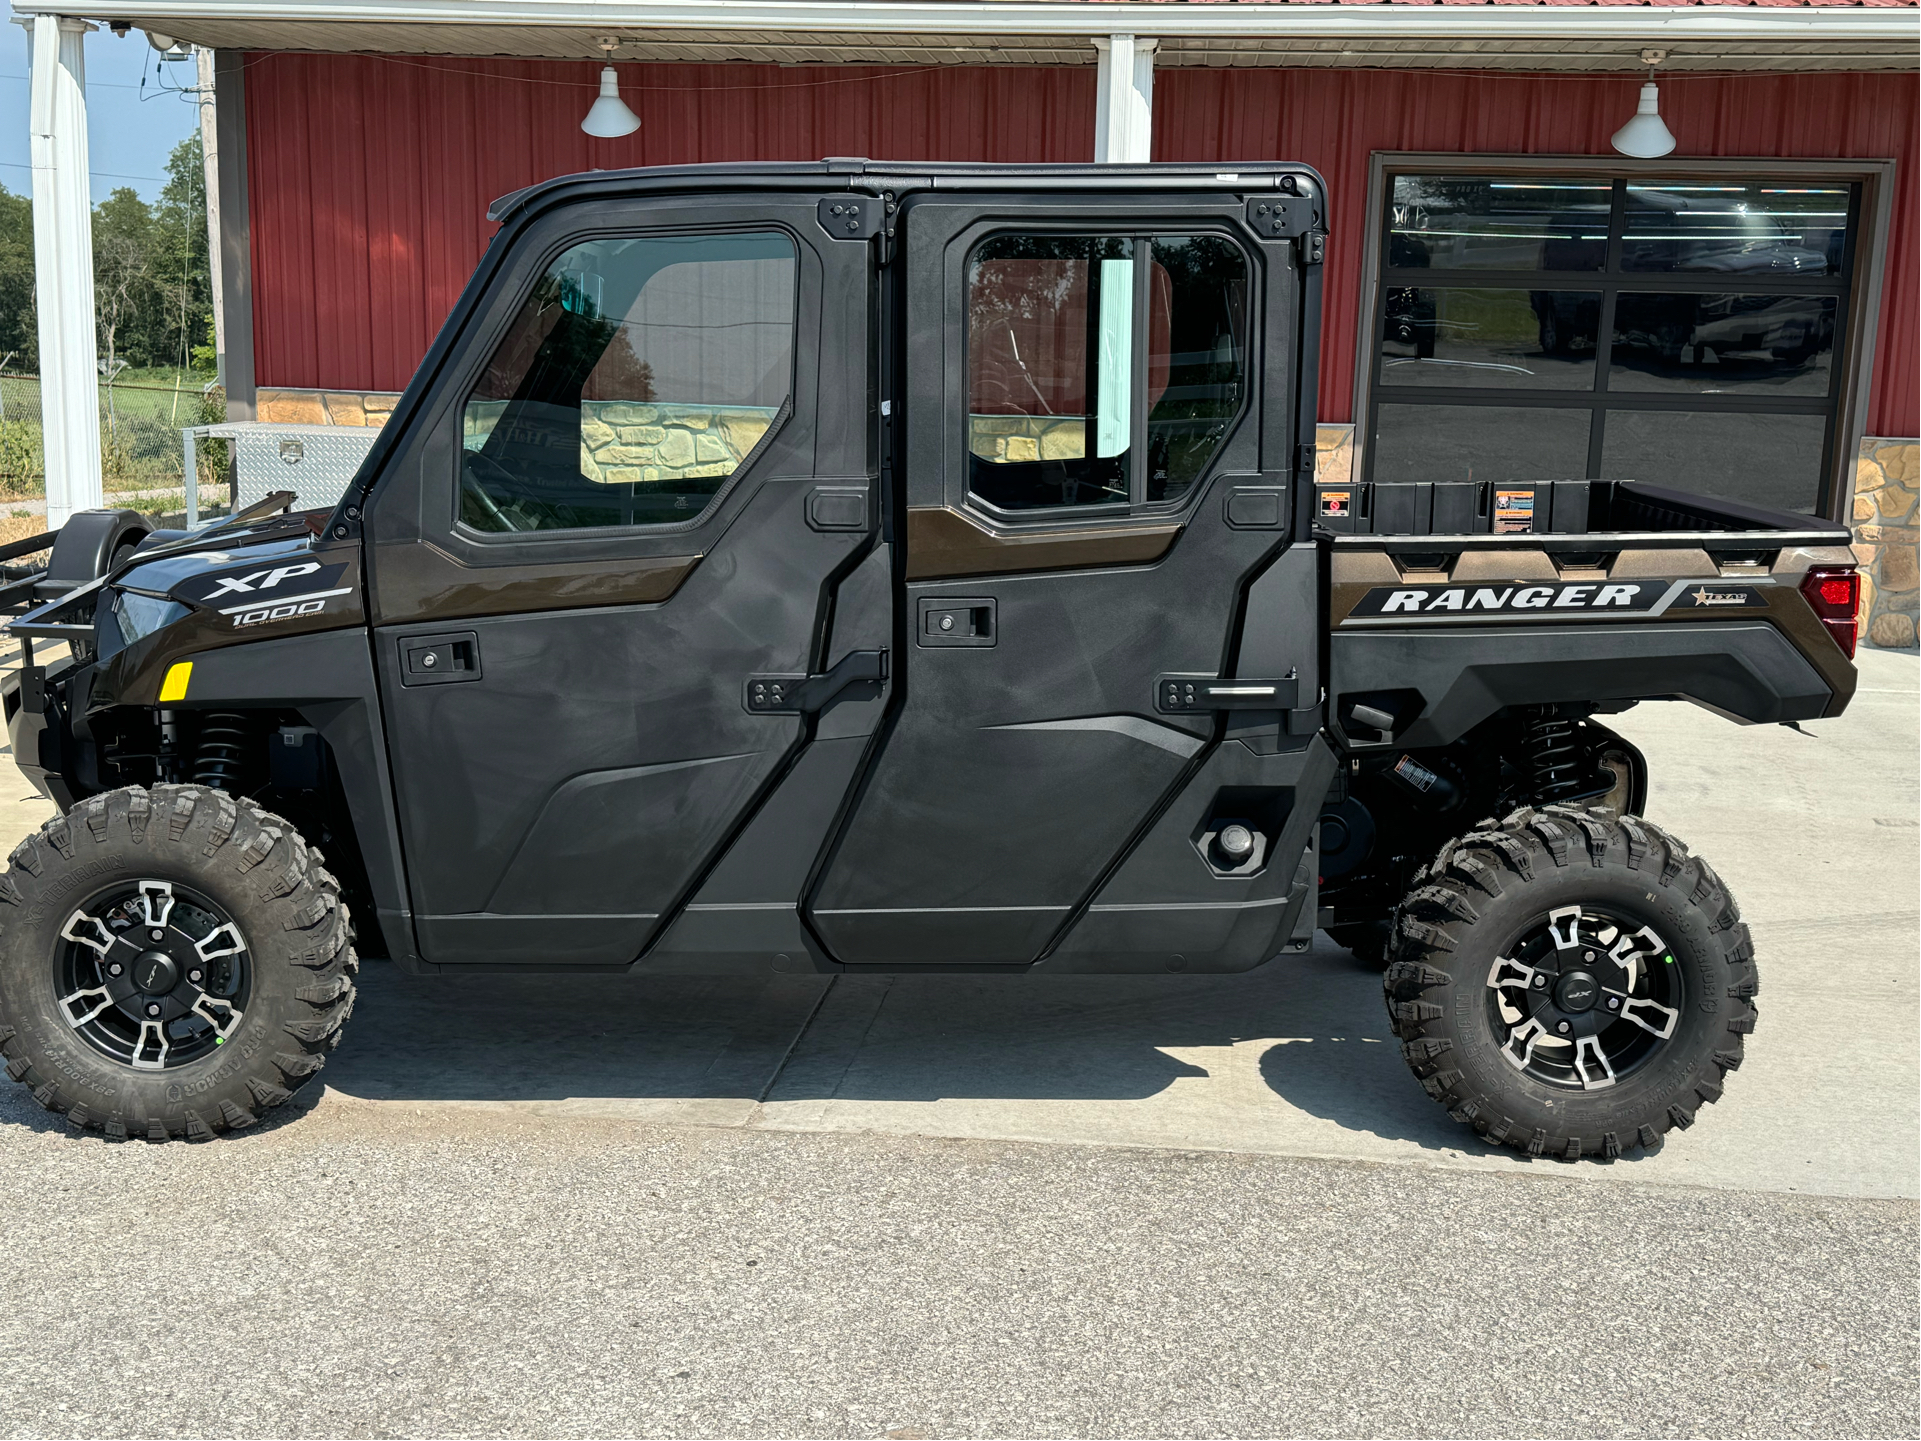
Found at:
[1784, 231]
[1458, 222]
[635, 379]
[1479, 442]
[1723, 344]
[1771, 460]
[1489, 339]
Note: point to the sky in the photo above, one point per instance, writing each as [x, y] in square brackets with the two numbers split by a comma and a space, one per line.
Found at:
[134, 114]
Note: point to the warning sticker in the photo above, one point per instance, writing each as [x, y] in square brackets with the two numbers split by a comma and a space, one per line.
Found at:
[1513, 512]
[1336, 503]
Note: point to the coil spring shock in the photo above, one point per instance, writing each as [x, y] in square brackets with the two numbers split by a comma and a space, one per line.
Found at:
[1553, 756]
[222, 746]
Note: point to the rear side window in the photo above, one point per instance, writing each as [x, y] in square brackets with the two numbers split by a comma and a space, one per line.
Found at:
[636, 378]
[1102, 370]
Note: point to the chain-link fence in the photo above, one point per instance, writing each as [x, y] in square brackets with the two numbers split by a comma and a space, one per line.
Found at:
[140, 446]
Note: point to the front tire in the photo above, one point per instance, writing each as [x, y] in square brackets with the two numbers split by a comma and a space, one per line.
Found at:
[1571, 982]
[173, 962]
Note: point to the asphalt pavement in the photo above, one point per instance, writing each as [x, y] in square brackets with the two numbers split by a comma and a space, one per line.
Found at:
[942, 1206]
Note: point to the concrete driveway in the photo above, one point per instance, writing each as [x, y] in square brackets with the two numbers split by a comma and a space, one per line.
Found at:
[1815, 832]
[952, 1205]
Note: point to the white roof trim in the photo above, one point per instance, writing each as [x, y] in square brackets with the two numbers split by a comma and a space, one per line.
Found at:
[1654, 24]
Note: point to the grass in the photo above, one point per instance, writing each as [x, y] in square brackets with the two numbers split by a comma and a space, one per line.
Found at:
[141, 416]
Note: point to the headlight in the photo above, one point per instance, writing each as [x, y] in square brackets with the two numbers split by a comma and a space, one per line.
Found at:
[134, 617]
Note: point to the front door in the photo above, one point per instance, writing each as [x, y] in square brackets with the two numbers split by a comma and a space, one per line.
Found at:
[1099, 450]
[614, 527]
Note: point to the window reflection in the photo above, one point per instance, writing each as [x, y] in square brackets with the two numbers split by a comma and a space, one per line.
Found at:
[1455, 222]
[1723, 344]
[1050, 344]
[1751, 229]
[1489, 339]
[1197, 323]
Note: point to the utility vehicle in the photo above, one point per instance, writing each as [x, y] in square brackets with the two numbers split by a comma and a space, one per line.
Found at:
[859, 567]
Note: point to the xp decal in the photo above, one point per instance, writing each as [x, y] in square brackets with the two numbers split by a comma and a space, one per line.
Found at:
[293, 578]
[1393, 604]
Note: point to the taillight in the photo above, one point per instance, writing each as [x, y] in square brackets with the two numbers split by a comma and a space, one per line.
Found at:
[1836, 597]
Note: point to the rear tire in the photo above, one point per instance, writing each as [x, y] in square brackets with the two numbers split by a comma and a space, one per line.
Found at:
[146, 884]
[1514, 1011]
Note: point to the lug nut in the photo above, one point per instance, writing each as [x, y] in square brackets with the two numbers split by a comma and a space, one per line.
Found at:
[1540, 983]
[1563, 1027]
[1614, 1003]
[1587, 955]
[115, 969]
[194, 976]
[153, 1010]
[158, 934]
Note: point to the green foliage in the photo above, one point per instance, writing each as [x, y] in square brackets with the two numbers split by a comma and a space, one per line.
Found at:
[20, 461]
[19, 334]
[153, 288]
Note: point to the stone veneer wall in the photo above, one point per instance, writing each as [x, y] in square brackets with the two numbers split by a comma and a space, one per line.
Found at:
[325, 407]
[1887, 539]
[630, 443]
[1014, 438]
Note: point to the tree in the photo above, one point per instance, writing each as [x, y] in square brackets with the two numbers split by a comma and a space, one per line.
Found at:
[124, 292]
[182, 269]
[19, 325]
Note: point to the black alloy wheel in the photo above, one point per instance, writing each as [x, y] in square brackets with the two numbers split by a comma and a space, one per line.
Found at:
[1570, 982]
[152, 974]
[174, 962]
[1584, 999]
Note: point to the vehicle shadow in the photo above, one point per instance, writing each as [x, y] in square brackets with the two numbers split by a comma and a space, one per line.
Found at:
[1289, 1056]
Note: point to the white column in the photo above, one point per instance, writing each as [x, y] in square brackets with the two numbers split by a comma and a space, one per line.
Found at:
[63, 266]
[1124, 101]
[210, 171]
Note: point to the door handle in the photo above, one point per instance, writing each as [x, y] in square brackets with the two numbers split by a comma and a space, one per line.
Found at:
[802, 694]
[439, 659]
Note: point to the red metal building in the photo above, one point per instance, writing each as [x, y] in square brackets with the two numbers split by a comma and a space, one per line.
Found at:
[360, 147]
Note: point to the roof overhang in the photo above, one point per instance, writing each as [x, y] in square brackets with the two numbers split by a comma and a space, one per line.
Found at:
[1049, 32]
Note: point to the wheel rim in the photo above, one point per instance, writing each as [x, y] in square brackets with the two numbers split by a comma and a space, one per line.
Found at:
[152, 974]
[1584, 998]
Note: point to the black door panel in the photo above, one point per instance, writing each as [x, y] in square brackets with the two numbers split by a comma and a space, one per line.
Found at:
[561, 805]
[1019, 771]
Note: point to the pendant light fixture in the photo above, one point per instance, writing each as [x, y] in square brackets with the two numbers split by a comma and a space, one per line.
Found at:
[608, 117]
[1646, 136]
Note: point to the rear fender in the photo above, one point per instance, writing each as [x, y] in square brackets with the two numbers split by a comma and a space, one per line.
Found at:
[1449, 680]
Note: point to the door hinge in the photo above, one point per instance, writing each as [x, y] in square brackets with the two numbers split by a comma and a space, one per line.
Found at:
[1291, 217]
[861, 217]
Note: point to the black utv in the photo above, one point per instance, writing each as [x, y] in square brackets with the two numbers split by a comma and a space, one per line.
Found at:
[851, 567]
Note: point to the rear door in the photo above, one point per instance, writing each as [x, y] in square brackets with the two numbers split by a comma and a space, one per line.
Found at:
[1100, 439]
[605, 553]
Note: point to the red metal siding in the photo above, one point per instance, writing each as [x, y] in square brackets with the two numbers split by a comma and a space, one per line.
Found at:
[1335, 119]
[369, 177]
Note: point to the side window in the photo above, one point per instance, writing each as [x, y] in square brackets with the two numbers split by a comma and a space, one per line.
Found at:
[1050, 370]
[1079, 365]
[639, 374]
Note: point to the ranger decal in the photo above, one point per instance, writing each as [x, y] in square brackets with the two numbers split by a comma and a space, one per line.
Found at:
[1390, 604]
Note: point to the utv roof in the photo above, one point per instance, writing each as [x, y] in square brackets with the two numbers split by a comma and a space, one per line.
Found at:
[856, 173]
